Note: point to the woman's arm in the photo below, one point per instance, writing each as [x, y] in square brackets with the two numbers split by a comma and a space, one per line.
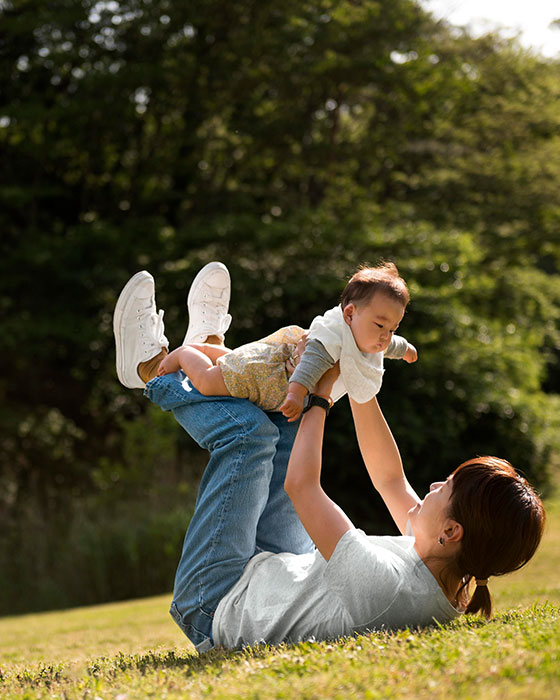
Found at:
[324, 521]
[383, 461]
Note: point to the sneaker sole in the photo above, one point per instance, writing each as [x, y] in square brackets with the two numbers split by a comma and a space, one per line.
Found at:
[210, 267]
[132, 382]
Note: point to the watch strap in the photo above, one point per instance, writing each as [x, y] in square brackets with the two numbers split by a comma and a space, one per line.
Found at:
[316, 400]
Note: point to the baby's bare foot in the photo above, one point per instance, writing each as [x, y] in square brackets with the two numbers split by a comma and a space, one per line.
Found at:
[169, 364]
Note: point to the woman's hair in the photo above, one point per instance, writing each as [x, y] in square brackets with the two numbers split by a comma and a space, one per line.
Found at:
[503, 521]
[364, 283]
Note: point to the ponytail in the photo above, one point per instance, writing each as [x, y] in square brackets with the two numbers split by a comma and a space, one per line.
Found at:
[481, 600]
[503, 521]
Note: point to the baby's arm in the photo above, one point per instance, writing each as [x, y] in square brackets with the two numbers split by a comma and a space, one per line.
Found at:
[411, 355]
[314, 362]
[400, 349]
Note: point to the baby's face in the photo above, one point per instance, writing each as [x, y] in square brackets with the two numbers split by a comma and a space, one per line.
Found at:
[373, 323]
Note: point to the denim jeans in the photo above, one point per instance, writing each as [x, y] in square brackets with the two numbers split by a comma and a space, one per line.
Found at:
[241, 507]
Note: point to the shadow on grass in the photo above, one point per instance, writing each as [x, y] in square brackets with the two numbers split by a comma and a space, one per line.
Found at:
[110, 668]
[189, 662]
[214, 661]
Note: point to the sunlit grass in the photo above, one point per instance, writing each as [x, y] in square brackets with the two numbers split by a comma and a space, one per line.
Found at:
[133, 650]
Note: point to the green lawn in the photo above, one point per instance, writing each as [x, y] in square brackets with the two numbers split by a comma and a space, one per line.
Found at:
[133, 650]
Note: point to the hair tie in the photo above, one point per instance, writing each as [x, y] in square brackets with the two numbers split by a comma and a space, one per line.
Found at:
[481, 581]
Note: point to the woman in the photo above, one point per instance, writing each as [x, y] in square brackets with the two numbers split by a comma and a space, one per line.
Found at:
[248, 571]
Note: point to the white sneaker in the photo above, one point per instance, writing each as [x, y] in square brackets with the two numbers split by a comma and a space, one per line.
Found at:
[208, 303]
[138, 328]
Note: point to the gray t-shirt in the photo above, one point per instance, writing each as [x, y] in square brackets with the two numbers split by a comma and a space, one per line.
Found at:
[369, 583]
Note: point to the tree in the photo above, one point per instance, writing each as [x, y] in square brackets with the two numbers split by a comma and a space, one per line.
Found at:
[292, 141]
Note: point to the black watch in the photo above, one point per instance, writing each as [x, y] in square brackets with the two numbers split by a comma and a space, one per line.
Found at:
[314, 400]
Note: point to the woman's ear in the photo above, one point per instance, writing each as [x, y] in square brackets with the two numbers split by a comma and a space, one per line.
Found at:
[453, 531]
[348, 312]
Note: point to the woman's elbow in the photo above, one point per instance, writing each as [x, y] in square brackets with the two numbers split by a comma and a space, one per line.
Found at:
[290, 485]
[295, 485]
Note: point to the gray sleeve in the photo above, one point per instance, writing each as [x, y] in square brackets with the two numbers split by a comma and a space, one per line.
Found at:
[314, 362]
[397, 348]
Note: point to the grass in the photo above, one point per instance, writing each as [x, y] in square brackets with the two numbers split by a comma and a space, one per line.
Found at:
[132, 650]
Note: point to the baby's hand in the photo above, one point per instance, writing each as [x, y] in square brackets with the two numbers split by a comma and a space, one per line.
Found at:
[292, 407]
[411, 355]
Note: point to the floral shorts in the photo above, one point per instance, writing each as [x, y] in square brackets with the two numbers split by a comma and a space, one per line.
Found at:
[257, 371]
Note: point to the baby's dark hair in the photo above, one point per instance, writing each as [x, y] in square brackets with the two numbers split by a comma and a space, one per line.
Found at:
[364, 283]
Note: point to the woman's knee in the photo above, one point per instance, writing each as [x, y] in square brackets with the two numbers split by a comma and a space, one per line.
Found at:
[252, 427]
[216, 422]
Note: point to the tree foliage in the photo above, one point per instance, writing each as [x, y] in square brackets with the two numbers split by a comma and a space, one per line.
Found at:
[293, 141]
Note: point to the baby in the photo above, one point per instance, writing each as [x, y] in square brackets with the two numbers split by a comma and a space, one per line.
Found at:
[358, 333]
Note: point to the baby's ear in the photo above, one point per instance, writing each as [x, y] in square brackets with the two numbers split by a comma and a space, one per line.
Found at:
[348, 312]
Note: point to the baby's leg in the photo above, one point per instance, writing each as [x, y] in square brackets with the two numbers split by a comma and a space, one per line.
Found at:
[210, 350]
[170, 363]
[204, 375]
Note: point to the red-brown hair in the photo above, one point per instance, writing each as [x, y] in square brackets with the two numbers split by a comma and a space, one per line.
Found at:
[366, 281]
[503, 520]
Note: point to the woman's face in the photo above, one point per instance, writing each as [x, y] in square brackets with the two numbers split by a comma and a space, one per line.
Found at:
[428, 518]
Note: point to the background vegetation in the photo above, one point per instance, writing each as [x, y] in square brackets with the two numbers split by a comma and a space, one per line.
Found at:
[291, 141]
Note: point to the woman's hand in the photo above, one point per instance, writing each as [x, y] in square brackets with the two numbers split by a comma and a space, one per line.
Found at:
[300, 347]
[293, 361]
[325, 384]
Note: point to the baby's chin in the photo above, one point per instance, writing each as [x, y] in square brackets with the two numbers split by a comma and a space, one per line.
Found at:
[373, 349]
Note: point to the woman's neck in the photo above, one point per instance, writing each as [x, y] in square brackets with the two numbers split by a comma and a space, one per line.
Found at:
[440, 566]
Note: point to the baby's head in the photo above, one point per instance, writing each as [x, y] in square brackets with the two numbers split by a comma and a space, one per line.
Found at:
[373, 304]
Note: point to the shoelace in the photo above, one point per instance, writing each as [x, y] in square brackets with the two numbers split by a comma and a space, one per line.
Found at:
[159, 328]
[152, 325]
[214, 317]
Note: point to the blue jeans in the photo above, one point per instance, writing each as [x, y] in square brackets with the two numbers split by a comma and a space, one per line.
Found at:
[241, 508]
